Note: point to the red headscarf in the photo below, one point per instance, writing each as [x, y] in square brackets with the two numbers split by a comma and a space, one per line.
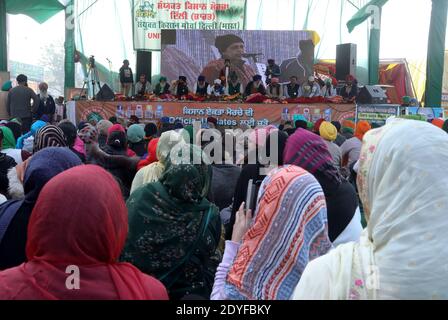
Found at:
[317, 125]
[152, 154]
[361, 129]
[438, 122]
[119, 127]
[80, 219]
[115, 127]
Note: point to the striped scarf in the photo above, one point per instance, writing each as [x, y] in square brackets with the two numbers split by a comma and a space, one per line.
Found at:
[289, 230]
[49, 136]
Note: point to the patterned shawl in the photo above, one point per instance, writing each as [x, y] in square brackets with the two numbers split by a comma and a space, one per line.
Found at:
[165, 220]
[289, 230]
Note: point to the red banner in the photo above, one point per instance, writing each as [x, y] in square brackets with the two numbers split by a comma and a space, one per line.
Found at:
[228, 114]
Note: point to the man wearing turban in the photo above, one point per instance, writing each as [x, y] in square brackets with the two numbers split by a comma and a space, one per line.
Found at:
[231, 48]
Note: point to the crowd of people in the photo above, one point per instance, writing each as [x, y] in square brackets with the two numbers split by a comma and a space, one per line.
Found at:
[228, 86]
[343, 211]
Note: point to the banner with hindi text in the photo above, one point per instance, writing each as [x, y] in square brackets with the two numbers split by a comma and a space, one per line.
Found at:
[151, 16]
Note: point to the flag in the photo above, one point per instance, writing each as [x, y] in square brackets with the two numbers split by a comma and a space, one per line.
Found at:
[363, 14]
[39, 10]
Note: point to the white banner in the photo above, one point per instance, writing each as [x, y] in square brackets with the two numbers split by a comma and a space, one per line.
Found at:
[150, 16]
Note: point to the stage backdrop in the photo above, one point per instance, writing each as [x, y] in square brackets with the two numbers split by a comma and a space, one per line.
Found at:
[150, 16]
[194, 52]
[228, 114]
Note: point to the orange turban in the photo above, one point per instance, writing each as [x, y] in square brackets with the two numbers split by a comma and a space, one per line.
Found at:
[361, 129]
[348, 124]
[438, 122]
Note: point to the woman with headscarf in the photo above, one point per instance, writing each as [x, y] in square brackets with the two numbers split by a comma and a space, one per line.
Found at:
[308, 151]
[136, 139]
[26, 141]
[265, 259]
[6, 163]
[16, 129]
[49, 136]
[71, 134]
[151, 169]
[150, 131]
[8, 146]
[65, 233]
[103, 127]
[33, 174]
[275, 143]
[402, 254]
[117, 142]
[351, 148]
[122, 167]
[174, 231]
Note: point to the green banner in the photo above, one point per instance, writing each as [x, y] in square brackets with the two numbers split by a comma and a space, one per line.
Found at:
[436, 53]
[150, 16]
[39, 10]
[69, 61]
[3, 43]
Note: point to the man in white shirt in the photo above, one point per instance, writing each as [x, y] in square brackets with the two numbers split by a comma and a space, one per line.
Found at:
[309, 89]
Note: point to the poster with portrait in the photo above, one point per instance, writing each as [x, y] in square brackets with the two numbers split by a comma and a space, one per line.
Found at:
[191, 53]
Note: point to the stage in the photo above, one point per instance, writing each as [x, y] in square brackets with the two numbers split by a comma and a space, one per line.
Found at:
[228, 114]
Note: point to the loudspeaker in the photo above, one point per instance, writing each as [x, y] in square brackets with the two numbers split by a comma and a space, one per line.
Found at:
[371, 95]
[105, 94]
[345, 60]
[143, 65]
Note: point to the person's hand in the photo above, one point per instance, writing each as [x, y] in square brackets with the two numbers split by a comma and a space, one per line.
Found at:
[242, 223]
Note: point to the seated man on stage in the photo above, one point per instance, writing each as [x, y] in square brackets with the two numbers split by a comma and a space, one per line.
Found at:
[329, 90]
[216, 92]
[292, 89]
[180, 89]
[350, 90]
[310, 89]
[143, 87]
[201, 87]
[162, 88]
[274, 90]
[255, 86]
[232, 49]
[272, 71]
[234, 88]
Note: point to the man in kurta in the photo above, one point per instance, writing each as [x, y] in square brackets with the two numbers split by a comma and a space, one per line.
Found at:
[232, 49]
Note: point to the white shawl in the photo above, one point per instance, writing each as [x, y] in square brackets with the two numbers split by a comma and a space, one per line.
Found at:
[403, 253]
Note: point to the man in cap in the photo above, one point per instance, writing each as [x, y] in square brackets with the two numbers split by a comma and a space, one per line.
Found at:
[272, 71]
[217, 90]
[310, 89]
[231, 48]
[255, 86]
[201, 87]
[18, 103]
